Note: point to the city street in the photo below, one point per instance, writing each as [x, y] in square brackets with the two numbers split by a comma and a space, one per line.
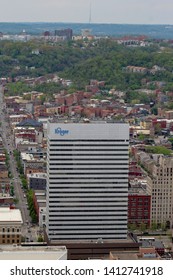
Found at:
[19, 194]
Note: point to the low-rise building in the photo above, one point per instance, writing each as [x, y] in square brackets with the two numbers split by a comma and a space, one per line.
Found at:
[10, 226]
[33, 253]
[39, 199]
[37, 181]
[139, 203]
[24, 145]
[15, 119]
[3, 171]
[141, 254]
[6, 199]
[157, 244]
[34, 166]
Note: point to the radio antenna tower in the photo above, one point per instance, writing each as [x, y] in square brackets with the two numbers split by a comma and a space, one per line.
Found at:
[90, 14]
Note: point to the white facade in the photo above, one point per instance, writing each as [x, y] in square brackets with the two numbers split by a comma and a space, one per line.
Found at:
[87, 191]
[42, 216]
[160, 184]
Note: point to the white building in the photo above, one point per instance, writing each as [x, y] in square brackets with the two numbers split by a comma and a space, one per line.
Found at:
[10, 225]
[160, 184]
[87, 187]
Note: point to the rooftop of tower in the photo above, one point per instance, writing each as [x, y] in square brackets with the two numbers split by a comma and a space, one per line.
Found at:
[84, 120]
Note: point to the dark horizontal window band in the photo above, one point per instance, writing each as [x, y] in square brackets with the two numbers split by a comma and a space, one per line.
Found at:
[123, 181]
[115, 194]
[90, 211]
[85, 178]
[89, 231]
[88, 173]
[80, 199]
[96, 191]
[86, 183]
[103, 216]
[89, 236]
[88, 150]
[86, 235]
[88, 155]
[84, 226]
[90, 140]
[91, 164]
[67, 218]
[77, 197]
[100, 224]
[86, 206]
[84, 145]
[71, 164]
[76, 169]
[87, 159]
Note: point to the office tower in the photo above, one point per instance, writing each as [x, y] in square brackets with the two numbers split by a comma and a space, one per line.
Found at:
[67, 33]
[160, 184]
[87, 187]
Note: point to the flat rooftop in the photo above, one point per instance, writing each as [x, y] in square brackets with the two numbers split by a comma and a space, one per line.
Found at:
[84, 120]
[10, 215]
[5, 195]
[38, 175]
[33, 252]
[98, 241]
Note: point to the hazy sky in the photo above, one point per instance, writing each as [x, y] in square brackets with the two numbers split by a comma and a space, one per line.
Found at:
[102, 11]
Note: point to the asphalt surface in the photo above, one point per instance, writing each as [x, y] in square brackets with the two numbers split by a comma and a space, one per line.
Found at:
[28, 231]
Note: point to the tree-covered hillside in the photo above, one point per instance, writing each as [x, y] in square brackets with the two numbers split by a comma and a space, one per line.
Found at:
[82, 61]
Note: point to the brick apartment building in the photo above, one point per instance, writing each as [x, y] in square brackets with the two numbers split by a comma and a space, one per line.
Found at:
[139, 204]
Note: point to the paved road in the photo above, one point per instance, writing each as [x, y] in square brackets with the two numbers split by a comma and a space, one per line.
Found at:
[27, 230]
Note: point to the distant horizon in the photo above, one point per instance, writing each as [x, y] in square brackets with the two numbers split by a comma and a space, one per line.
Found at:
[88, 23]
[155, 31]
[148, 12]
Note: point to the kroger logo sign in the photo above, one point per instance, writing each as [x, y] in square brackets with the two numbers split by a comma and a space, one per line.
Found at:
[61, 131]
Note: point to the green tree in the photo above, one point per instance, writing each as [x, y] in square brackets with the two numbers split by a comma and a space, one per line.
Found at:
[32, 210]
[142, 136]
[142, 227]
[12, 190]
[132, 226]
[158, 150]
[40, 238]
[154, 226]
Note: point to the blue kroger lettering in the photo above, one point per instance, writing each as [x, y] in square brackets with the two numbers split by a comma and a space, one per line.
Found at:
[60, 131]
